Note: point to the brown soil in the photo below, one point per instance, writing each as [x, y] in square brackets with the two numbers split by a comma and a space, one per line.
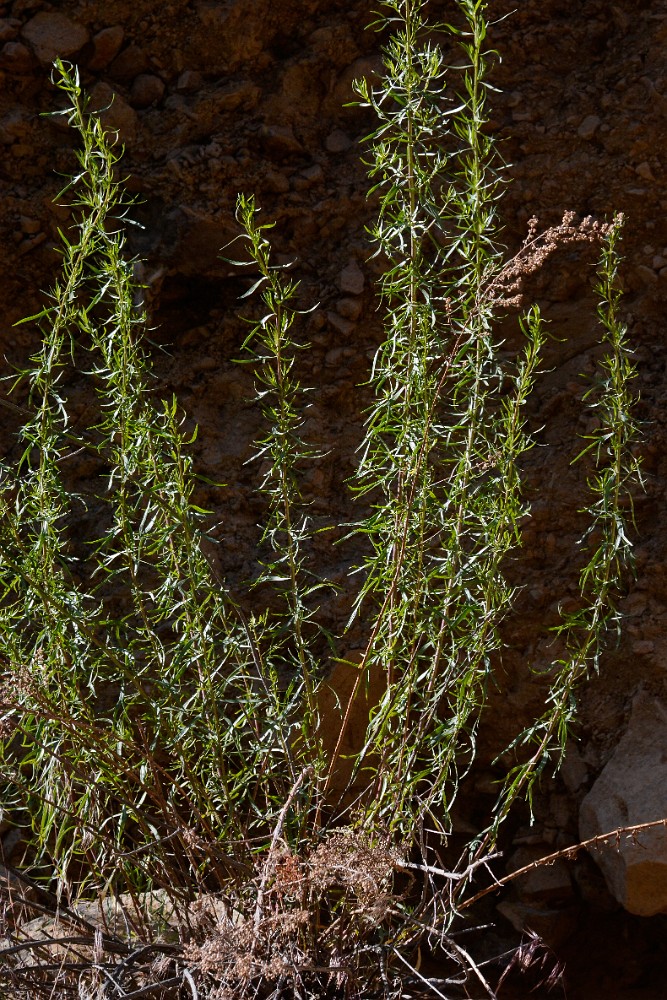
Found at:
[220, 96]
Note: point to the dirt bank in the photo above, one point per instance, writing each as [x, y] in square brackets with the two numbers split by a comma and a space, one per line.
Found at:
[214, 97]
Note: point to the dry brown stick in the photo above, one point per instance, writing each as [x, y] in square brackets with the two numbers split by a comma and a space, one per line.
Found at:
[274, 842]
[566, 852]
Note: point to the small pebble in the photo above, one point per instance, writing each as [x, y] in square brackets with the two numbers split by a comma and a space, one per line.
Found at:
[338, 141]
[642, 647]
[342, 325]
[130, 63]
[351, 279]
[280, 141]
[349, 308]
[313, 174]
[16, 59]
[276, 182]
[644, 171]
[146, 90]
[646, 274]
[29, 226]
[589, 127]
[106, 46]
[9, 28]
[189, 82]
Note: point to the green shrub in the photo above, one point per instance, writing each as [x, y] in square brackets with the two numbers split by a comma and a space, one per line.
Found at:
[164, 744]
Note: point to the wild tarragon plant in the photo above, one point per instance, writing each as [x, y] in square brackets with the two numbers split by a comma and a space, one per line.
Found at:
[143, 711]
[156, 736]
[444, 435]
[287, 638]
[446, 431]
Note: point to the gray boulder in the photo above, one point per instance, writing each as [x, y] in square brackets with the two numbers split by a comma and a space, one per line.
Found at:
[632, 789]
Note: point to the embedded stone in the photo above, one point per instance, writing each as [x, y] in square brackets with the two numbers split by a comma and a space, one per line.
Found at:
[146, 90]
[349, 308]
[340, 323]
[280, 141]
[352, 279]
[553, 925]
[115, 113]
[16, 59]
[631, 790]
[13, 128]
[645, 172]
[189, 81]
[106, 46]
[9, 28]
[589, 127]
[130, 63]
[545, 882]
[338, 141]
[53, 35]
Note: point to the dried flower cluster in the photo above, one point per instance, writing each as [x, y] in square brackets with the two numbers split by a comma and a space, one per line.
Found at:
[507, 288]
[349, 861]
[317, 911]
[15, 687]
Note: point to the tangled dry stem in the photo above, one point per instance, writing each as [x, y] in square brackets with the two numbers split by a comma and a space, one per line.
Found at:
[318, 911]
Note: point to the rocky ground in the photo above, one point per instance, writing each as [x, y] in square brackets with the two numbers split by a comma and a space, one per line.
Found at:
[212, 97]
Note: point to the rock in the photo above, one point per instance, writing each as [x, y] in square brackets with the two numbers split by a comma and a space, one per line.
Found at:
[232, 96]
[276, 182]
[189, 82]
[110, 915]
[29, 226]
[349, 308]
[339, 323]
[16, 59]
[529, 836]
[643, 647]
[368, 68]
[336, 357]
[553, 926]
[177, 103]
[589, 127]
[130, 63]
[115, 112]
[51, 35]
[346, 692]
[562, 812]
[546, 883]
[338, 141]
[146, 90]
[645, 275]
[9, 28]
[106, 46]
[13, 128]
[279, 141]
[30, 243]
[308, 178]
[351, 279]
[631, 790]
[644, 171]
[21, 150]
[573, 770]
[592, 887]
